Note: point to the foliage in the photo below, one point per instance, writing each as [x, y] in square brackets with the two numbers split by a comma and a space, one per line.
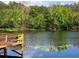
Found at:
[51, 18]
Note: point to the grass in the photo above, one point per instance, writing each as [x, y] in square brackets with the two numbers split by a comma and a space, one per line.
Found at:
[8, 29]
[14, 30]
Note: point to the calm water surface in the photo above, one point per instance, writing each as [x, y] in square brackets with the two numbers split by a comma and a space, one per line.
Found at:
[51, 45]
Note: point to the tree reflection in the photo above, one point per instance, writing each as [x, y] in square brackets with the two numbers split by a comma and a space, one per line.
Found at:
[53, 41]
[58, 41]
[73, 38]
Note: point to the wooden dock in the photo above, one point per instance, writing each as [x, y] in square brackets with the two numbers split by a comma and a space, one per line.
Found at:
[16, 41]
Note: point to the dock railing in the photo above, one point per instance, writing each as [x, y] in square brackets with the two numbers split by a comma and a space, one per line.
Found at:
[15, 41]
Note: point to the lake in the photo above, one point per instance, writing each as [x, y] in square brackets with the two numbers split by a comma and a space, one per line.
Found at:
[51, 45]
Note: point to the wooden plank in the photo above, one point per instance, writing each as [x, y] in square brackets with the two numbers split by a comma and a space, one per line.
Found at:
[15, 44]
[3, 46]
[12, 40]
[9, 44]
[2, 36]
[11, 35]
[3, 43]
[18, 53]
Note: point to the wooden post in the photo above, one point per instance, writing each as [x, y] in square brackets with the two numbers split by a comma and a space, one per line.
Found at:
[5, 49]
[6, 39]
[5, 52]
[22, 44]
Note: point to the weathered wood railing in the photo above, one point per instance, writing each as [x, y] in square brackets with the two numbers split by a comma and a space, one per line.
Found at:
[11, 40]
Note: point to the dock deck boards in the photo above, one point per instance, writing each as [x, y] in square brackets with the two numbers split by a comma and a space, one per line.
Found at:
[3, 46]
[9, 41]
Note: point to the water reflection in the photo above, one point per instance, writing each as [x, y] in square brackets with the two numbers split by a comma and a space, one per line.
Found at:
[57, 41]
[52, 41]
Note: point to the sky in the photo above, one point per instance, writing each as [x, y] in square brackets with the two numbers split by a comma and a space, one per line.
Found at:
[44, 3]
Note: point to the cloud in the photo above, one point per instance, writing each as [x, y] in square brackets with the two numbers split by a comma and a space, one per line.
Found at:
[44, 3]
[6, 2]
